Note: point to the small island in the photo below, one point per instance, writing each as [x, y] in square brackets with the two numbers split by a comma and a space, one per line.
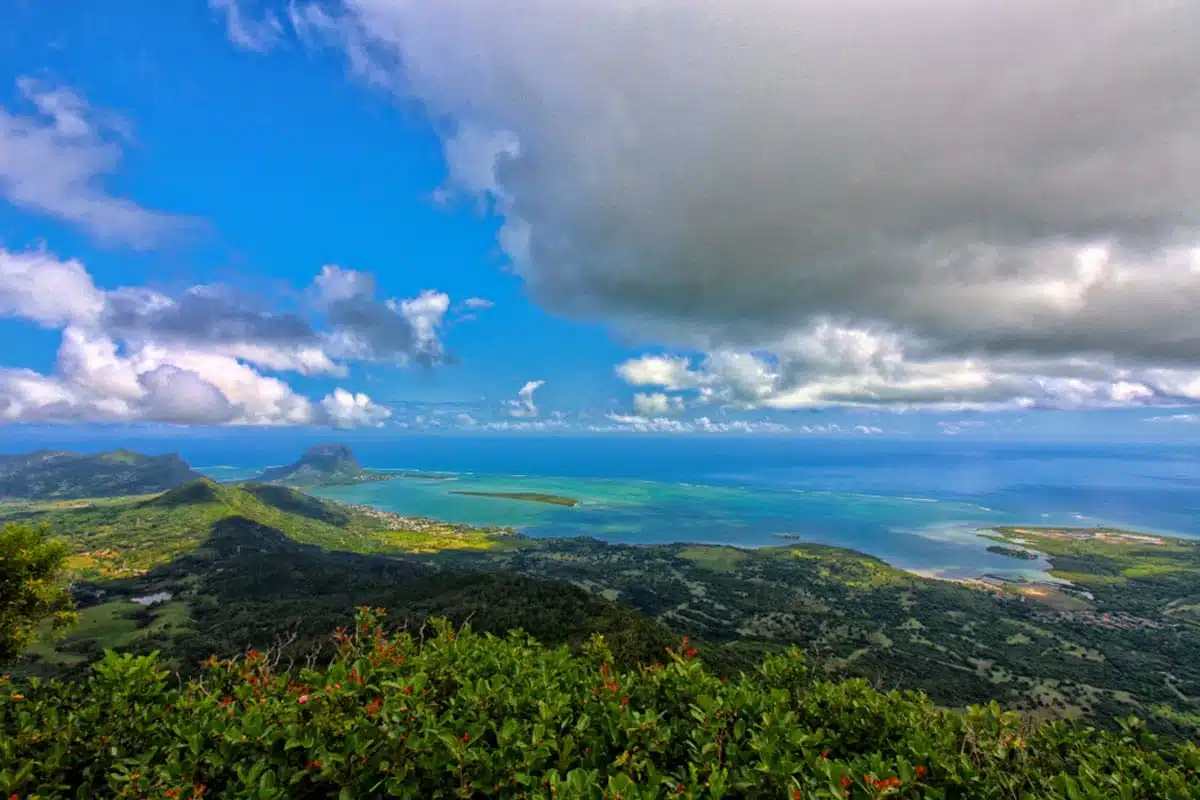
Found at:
[533, 497]
[1013, 552]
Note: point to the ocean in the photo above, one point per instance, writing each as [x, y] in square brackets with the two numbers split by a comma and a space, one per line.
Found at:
[916, 505]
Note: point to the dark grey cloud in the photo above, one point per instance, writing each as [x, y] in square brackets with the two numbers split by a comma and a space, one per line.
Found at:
[994, 179]
[363, 327]
[217, 314]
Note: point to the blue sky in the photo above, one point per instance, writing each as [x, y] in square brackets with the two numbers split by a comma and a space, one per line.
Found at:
[342, 214]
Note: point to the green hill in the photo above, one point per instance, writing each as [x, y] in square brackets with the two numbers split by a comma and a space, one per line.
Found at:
[322, 465]
[124, 536]
[209, 568]
[57, 475]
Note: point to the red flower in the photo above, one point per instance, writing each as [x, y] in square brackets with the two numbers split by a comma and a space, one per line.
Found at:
[795, 794]
[691, 651]
[682, 788]
[466, 737]
[302, 699]
[624, 701]
[921, 771]
[824, 754]
[845, 781]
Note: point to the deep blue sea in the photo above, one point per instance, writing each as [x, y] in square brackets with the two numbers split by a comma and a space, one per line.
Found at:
[917, 505]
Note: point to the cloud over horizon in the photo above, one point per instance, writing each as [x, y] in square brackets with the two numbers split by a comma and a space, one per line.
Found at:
[524, 406]
[892, 202]
[136, 354]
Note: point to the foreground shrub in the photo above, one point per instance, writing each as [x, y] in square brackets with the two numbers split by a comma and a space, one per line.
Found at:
[456, 714]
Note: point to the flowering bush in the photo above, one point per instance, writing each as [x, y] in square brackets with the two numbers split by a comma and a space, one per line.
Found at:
[464, 715]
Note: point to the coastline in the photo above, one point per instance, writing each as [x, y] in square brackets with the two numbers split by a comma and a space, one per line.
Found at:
[1042, 580]
[944, 540]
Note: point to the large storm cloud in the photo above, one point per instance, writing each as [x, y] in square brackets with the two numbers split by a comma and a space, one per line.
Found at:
[987, 183]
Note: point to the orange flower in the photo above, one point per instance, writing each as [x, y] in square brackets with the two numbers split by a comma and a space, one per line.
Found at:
[824, 754]
[921, 771]
[18, 697]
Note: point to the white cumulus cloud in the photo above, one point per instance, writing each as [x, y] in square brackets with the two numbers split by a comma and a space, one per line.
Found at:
[524, 406]
[39, 287]
[198, 357]
[656, 404]
[353, 410]
[53, 162]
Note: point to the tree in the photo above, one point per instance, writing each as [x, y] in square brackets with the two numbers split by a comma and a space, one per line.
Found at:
[32, 586]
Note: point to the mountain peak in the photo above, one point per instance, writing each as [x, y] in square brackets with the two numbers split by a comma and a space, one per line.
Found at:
[321, 464]
[323, 453]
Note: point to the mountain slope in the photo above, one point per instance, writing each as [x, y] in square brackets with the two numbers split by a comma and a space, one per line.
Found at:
[322, 465]
[209, 568]
[57, 475]
[126, 536]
